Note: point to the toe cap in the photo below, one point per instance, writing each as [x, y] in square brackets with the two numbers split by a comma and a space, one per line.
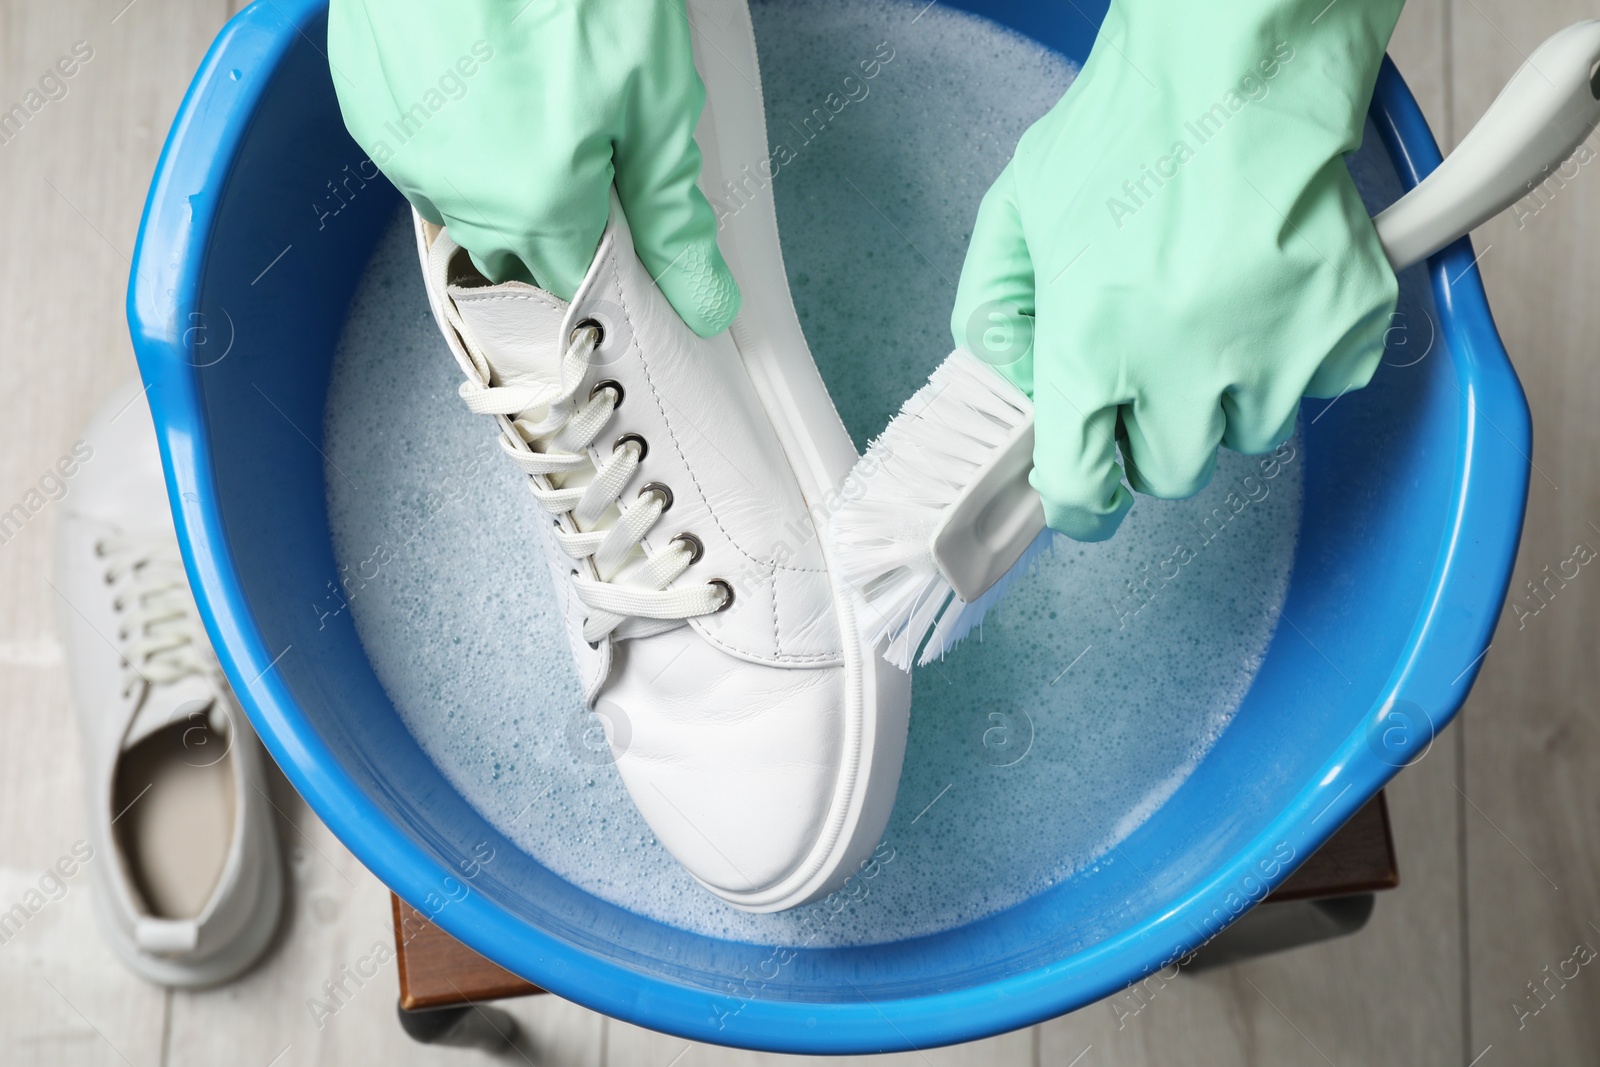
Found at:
[732, 763]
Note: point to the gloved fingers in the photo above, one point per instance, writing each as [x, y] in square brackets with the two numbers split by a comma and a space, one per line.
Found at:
[1354, 358]
[994, 311]
[1256, 425]
[1263, 416]
[1170, 443]
[543, 227]
[657, 165]
[1075, 466]
[529, 198]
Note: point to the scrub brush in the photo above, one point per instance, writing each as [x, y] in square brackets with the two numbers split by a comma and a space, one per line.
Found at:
[946, 518]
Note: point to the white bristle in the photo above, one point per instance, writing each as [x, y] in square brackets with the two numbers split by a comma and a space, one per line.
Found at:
[959, 619]
[896, 496]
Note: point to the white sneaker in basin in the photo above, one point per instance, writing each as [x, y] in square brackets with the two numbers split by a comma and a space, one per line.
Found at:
[758, 738]
[686, 478]
[185, 867]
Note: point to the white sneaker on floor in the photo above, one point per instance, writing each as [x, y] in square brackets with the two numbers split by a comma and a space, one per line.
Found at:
[188, 884]
[756, 733]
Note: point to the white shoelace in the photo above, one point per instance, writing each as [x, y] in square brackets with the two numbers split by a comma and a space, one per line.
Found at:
[160, 635]
[547, 432]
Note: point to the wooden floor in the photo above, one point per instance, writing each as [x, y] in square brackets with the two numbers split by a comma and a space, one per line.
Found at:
[1496, 829]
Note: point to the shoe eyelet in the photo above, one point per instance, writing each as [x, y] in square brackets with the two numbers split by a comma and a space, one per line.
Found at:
[661, 491]
[696, 549]
[633, 438]
[591, 324]
[616, 391]
[727, 595]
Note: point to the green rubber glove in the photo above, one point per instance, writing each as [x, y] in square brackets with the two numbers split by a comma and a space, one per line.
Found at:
[509, 121]
[1176, 253]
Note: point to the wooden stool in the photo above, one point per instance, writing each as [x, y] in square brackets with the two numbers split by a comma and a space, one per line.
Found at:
[1331, 895]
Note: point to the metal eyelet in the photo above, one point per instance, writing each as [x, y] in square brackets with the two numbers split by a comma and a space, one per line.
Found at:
[661, 491]
[644, 446]
[696, 549]
[727, 595]
[616, 391]
[591, 324]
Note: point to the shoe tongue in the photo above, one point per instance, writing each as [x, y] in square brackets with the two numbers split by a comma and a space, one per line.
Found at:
[516, 328]
[189, 698]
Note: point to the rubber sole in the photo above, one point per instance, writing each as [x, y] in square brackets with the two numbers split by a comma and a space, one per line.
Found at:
[767, 333]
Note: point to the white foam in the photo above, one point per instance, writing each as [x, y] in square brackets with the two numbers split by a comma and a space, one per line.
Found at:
[1019, 770]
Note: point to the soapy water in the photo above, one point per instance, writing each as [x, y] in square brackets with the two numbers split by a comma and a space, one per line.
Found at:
[1043, 740]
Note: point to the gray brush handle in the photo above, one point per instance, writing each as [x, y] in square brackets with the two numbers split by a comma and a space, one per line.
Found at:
[1537, 122]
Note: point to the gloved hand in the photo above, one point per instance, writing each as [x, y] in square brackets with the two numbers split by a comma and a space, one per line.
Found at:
[509, 120]
[1176, 253]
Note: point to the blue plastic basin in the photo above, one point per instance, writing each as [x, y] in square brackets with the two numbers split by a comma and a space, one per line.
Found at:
[1414, 497]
